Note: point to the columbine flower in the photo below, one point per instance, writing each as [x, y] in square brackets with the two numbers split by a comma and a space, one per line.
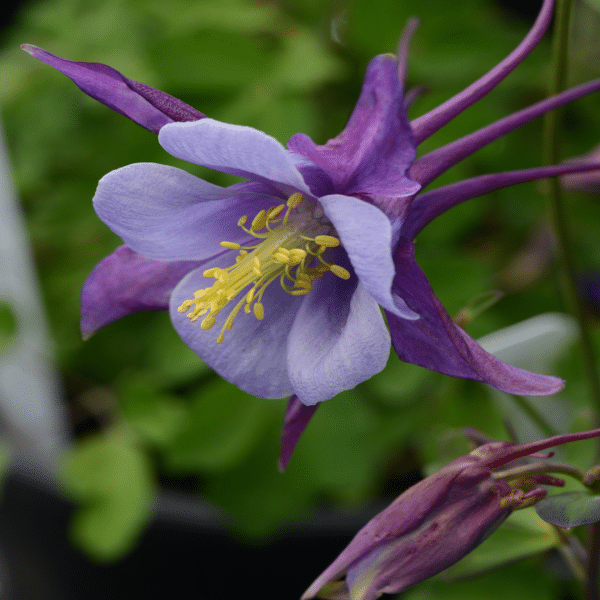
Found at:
[437, 521]
[277, 282]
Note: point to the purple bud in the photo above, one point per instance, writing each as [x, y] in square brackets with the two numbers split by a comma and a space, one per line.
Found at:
[434, 523]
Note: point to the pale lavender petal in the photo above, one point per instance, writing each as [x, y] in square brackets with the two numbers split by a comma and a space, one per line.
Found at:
[375, 150]
[338, 340]
[165, 213]
[435, 119]
[143, 104]
[429, 205]
[125, 282]
[234, 149]
[297, 417]
[426, 168]
[437, 343]
[252, 355]
[366, 235]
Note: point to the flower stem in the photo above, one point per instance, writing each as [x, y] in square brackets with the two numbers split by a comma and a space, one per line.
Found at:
[559, 214]
[535, 415]
[551, 127]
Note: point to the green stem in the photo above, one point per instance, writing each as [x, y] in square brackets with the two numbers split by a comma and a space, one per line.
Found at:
[560, 219]
[535, 415]
[559, 216]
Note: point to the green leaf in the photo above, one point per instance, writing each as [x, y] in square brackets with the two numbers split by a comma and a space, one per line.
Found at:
[222, 426]
[154, 415]
[570, 509]
[112, 483]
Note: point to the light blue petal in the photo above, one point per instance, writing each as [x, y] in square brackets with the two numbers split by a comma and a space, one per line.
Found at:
[252, 355]
[165, 213]
[234, 149]
[338, 340]
[366, 235]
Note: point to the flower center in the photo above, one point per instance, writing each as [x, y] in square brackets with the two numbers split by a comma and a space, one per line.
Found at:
[291, 250]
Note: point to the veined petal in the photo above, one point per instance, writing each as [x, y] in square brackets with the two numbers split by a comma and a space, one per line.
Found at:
[234, 149]
[252, 355]
[366, 235]
[143, 104]
[437, 343]
[125, 282]
[338, 340]
[373, 153]
[165, 213]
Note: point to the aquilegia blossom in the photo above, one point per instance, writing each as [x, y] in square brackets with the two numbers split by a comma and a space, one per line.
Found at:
[436, 522]
[277, 282]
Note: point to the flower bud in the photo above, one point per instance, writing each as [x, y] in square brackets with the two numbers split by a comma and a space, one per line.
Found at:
[435, 523]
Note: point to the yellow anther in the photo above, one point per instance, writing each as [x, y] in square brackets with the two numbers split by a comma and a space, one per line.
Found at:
[185, 305]
[297, 254]
[250, 296]
[220, 338]
[230, 245]
[207, 322]
[259, 311]
[259, 221]
[247, 309]
[274, 212]
[242, 221]
[340, 272]
[282, 258]
[294, 200]
[211, 272]
[326, 240]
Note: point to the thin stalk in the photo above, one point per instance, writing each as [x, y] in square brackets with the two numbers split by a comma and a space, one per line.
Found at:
[535, 415]
[552, 124]
[560, 221]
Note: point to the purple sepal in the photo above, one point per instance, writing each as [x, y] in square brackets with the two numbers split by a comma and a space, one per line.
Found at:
[125, 282]
[373, 153]
[143, 104]
[297, 417]
[435, 342]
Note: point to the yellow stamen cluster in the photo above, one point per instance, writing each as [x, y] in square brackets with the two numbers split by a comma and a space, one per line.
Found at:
[285, 253]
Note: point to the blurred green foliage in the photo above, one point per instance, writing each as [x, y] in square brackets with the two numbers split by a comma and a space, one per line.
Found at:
[144, 406]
